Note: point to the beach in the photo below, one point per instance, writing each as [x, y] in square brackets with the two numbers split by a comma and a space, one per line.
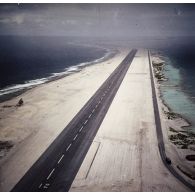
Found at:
[123, 154]
[47, 109]
[179, 141]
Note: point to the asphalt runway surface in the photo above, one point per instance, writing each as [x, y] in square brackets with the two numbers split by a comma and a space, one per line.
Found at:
[57, 167]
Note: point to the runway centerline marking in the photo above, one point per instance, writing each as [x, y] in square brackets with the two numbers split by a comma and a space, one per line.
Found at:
[80, 129]
[68, 147]
[40, 185]
[86, 121]
[96, 105]
[61, 158]
[93, 110]
[75, 137]
[90, 115]
[51, 173]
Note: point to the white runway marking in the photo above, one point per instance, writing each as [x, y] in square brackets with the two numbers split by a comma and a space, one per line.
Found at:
[93, 110]
[96, 106]
[86, 121]
[40, 185]
[61, 158]
[75, 137]
[51, 173]
[68, 147]
[90, 116]
[80, 129]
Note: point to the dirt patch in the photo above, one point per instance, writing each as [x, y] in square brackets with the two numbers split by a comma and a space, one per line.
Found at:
[190, 157]
[5, 146]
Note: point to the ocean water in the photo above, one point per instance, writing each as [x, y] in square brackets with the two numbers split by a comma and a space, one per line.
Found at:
[29, 61]
[179, 90]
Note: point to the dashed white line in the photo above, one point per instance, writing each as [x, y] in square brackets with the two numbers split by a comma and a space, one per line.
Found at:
[47, 184]
[96, 105]
[80, 129]
[99, 102]
[75, 137]
[51, 173]
[61, 158]
[86, 121]
[68, 147]
[93, 110]
[40, 185]
[90, 115]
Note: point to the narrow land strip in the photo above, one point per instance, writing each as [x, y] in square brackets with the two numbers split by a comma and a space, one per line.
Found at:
[62, 175]
[128, 157]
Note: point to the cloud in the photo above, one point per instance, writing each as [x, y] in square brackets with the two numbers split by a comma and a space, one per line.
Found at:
[5, 20]
[18, 19]
[71, 22]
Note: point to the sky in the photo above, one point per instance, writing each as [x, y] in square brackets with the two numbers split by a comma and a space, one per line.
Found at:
[98, 20]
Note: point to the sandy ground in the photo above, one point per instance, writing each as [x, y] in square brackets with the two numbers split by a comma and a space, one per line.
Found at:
[124, 155]
[46, 111]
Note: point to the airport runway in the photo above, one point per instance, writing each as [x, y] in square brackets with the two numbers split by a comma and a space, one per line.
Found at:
[56, 169]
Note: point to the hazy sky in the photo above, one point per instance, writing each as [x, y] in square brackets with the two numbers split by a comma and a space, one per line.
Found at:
[123, 20]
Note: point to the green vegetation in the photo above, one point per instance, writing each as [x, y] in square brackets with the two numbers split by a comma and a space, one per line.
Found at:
[158, 67]
[170, 115]
[182, 139]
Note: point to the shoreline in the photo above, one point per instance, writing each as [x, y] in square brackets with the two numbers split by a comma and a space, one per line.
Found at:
[47, 109]
[110, 53]
[124, 137]
[179, 141]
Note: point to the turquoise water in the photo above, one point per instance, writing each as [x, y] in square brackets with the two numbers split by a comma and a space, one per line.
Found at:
[174, 95]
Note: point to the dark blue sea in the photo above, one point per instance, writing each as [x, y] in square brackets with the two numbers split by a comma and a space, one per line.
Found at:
[28, 61]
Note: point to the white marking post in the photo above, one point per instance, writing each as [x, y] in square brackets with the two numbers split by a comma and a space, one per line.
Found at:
[80, 129]
[75, 137]
[68, 147]
[61, 158]
[51, 173]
